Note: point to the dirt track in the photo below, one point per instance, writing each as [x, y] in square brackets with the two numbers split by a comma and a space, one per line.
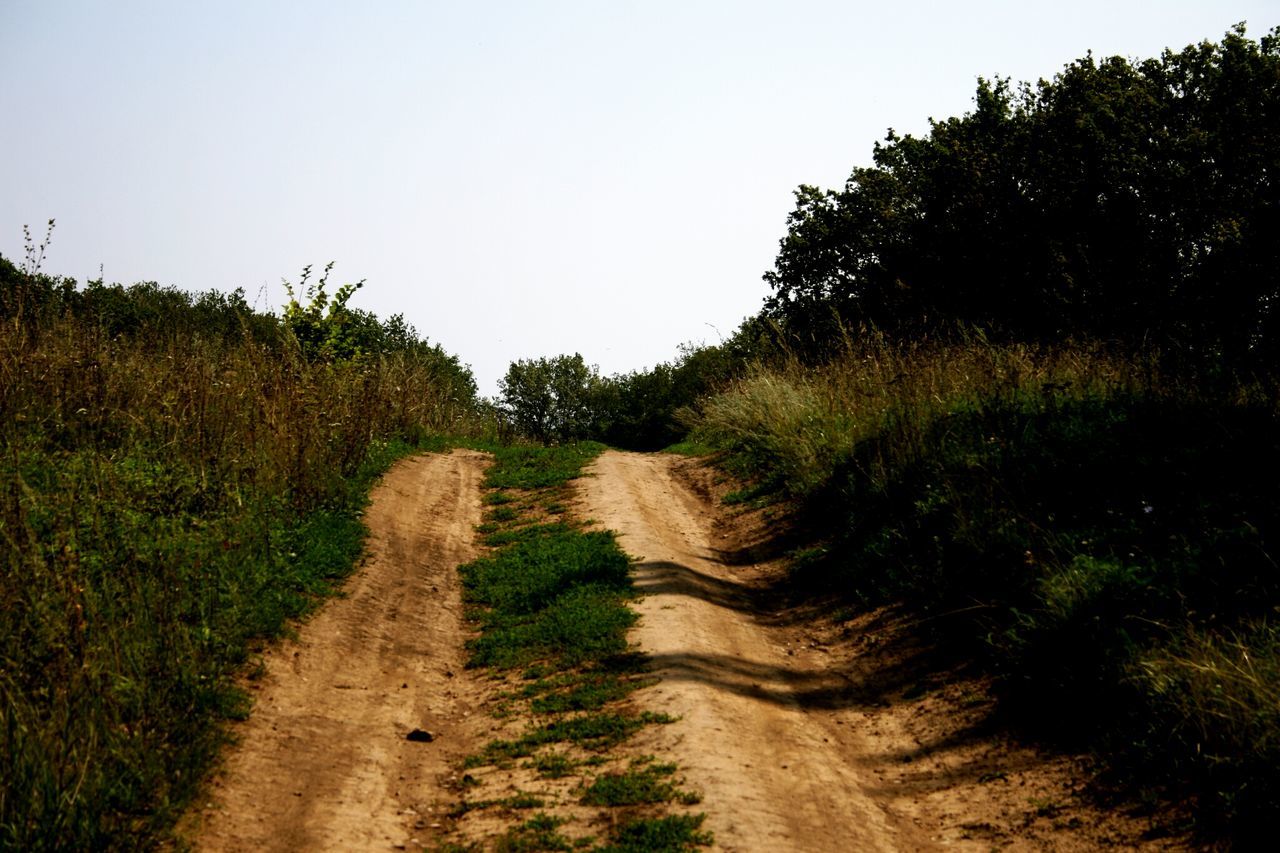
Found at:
[802, 732]
[806, 733]
[775, 776]
[323, 763]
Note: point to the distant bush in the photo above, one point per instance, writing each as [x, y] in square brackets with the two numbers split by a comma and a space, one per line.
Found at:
[564, 399]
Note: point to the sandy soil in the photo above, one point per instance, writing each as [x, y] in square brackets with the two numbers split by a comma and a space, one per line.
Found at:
[323, 762]
[804, 733]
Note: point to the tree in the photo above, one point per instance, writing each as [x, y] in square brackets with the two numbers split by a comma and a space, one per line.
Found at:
[551, 399]
[1120, 200]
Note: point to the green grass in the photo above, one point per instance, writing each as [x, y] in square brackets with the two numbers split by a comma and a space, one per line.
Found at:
[595, 731]
[691, 447]
[529, 576]
[538, 833]
[551, 592]
[644, 783]
[670, 834]
[540, 467]
[496, 537]
[558, 595]
[502, 514]
[553, 765]
[518, 801]
[582, 692]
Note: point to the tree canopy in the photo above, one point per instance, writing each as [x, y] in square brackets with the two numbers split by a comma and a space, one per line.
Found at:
[550, 399]
[1126, 200]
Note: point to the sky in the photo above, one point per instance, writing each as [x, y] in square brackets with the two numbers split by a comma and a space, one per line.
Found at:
[519, 179]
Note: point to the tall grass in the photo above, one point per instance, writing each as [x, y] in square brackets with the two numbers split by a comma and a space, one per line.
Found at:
[164, 500]
[793, 424]
[1102, 532]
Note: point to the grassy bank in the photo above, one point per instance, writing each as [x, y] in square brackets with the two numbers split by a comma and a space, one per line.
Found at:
[551, 604]
[1102, 534]
[178, 481]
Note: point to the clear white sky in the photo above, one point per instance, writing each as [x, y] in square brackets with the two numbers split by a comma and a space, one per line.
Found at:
[518, 178]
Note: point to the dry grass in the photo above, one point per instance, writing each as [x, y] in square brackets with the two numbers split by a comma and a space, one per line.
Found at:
[805, 421]
[1220, 690]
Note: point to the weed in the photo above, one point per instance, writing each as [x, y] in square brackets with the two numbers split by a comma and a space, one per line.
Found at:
[553, 765]
[519, 800]
[658, 835]
[558, 594]
[502, 514]
[498, 538]
[691, 447]
[540, 467]
[537, 833]
[643, 783]
[587, 693]
[598, 731]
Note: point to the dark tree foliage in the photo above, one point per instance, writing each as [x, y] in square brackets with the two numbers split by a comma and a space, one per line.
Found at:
[565, 399]
[1131, 201]
[640, 410]
[551, 399]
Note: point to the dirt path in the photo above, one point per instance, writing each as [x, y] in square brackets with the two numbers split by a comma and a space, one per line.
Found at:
[774, 776]
[323, 762]
[802, 734]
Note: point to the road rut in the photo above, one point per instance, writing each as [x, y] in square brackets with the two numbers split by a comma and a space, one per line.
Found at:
[323, 762]
[776, 776]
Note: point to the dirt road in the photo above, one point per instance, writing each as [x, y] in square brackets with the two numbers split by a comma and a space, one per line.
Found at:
[805, 733]
[774, 775]
[323, 763]
[802, 732]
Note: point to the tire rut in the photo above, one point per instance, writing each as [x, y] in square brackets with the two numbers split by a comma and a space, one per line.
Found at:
[323, 761]
[776, 776]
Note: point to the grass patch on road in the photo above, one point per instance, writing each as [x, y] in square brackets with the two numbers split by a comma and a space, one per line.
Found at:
[643, 782]
[650, 835]
[550, 601]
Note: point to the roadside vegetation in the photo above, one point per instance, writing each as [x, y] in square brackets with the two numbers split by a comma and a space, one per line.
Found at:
[1100, 533]
[550, 601]
[1019, 374]
[181, 475]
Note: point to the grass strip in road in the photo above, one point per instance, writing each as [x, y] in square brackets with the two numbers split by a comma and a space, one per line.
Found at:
[550, 600]
[647, 835]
